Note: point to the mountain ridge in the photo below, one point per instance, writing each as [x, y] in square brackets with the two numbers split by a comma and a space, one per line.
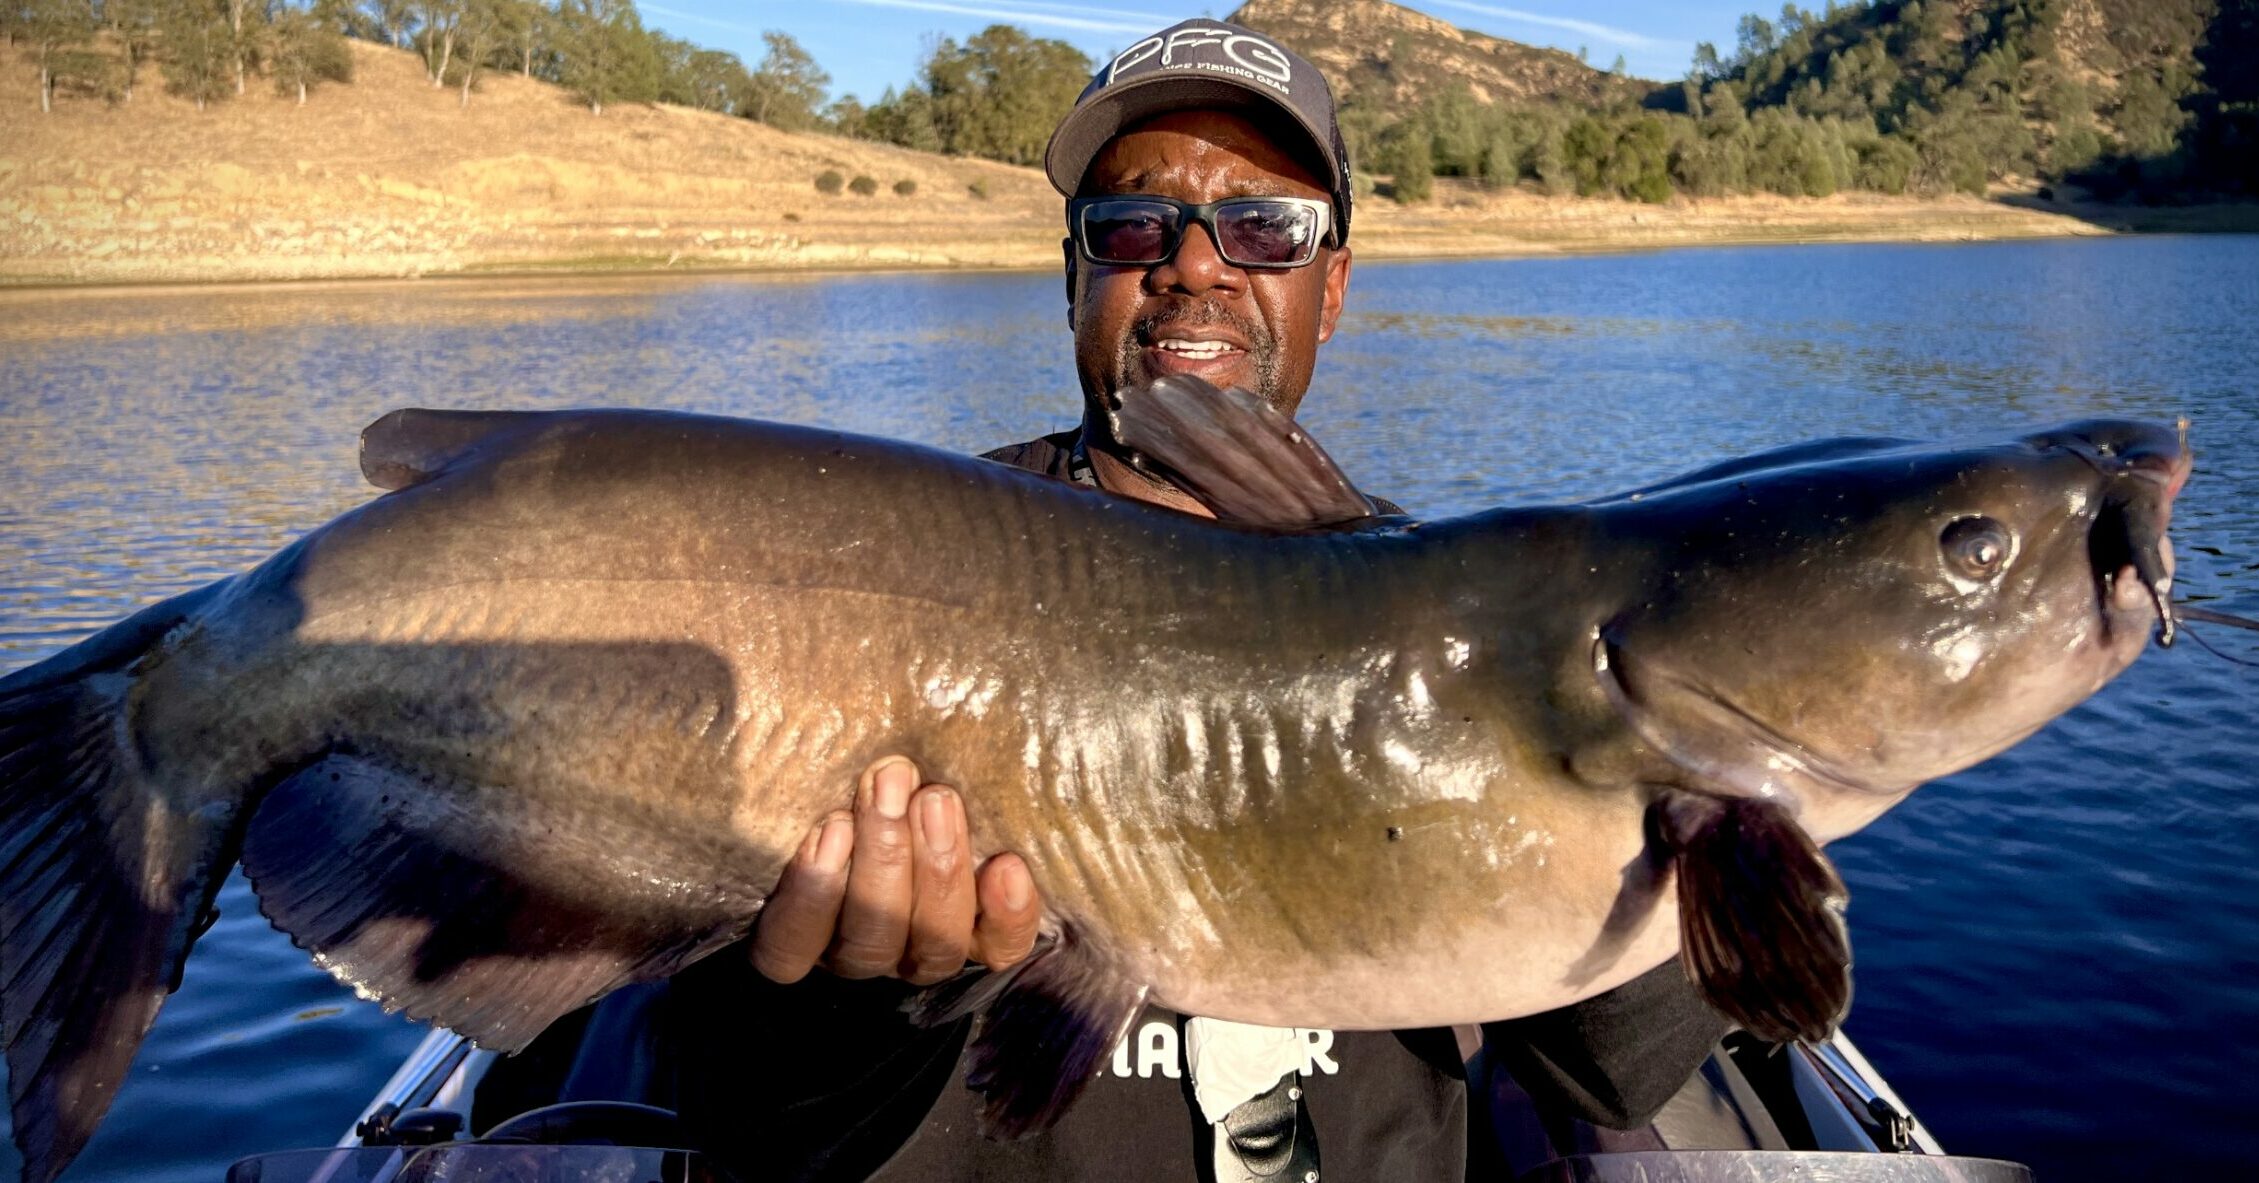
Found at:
[1375, 52]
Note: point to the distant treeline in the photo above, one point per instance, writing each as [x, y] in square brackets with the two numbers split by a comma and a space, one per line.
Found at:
[209, 50]
[2154, 97]
[996, 95]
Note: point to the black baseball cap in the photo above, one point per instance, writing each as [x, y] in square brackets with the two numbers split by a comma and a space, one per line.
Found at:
[1201, 64]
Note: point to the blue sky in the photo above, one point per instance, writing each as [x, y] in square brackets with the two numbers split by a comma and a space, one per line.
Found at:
[868, 45]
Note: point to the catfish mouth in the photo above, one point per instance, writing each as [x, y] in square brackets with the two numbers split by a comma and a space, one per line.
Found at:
[1727, 750]
[2132, 558]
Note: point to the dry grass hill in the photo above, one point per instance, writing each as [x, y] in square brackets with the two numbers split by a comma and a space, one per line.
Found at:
[387, 176]
[1385, 54]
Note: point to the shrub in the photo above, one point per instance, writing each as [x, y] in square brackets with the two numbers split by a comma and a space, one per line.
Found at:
[862, 186]
[829, 181]
[979, 189]
[905, 187]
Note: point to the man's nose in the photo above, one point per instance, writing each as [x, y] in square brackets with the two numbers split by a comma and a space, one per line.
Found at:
[1196, 268]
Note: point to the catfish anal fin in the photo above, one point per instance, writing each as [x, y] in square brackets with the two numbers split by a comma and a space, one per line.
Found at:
[1045, 1025]
[462, 906]
[1761, 927]
[1238, 455]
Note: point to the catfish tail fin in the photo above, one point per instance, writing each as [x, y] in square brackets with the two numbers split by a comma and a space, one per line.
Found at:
[103, 886]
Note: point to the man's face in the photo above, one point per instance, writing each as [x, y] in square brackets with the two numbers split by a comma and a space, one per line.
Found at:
[1194, 313]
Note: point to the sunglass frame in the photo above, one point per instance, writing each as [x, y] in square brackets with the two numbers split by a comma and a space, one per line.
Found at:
[1203, 216]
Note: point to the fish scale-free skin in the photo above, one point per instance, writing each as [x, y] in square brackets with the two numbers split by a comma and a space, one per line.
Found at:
[1200, 739]
[552, 716]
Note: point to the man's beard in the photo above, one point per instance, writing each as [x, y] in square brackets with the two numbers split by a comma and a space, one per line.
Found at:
[1262, 350]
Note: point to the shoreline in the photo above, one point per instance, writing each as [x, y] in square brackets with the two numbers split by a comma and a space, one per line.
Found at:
[1450, 239]
[387, 179]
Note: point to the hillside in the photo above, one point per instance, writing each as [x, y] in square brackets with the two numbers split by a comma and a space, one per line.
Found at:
[1384, 55]
[388, 176]
[2155, 100]
[2155, 97]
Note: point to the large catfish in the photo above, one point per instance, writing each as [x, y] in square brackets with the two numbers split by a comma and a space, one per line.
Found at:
[550, 716]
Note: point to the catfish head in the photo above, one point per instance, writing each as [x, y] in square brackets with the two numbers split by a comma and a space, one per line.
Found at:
[1821, 630]
[1834, 625]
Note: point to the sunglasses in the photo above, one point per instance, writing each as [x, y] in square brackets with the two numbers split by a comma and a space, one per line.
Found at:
[1265, 232]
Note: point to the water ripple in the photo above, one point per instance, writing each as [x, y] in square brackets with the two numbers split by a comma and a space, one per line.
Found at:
[2056, 948]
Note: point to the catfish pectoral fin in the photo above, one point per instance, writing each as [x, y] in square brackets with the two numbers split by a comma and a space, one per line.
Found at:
[432, 898]
[1045, 1025]
[1761, 929]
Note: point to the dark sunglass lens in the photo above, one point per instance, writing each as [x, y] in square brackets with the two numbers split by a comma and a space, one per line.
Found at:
[1128, 231]
[1267, 233]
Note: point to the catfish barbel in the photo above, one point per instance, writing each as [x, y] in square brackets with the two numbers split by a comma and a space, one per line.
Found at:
[551, 716]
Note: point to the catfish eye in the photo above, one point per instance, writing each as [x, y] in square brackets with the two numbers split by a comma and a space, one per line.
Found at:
[1976, 547]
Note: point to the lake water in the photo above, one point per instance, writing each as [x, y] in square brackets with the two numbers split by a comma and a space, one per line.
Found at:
[2058, 950]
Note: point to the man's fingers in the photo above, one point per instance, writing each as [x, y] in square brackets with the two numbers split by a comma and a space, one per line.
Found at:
[796, 924]
[874, 918]
[941, 920]
[1009, 912]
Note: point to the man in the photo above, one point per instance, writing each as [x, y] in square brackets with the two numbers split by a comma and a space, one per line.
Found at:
[1208, 222]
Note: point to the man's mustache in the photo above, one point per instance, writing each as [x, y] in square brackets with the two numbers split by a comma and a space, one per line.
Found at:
[1199, 315]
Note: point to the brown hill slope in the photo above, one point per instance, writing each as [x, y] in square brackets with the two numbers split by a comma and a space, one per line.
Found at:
[1386, 55]
[388, 176]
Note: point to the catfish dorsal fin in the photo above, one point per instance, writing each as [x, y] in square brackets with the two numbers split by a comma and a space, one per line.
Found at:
[413, 444]
[1238, 455]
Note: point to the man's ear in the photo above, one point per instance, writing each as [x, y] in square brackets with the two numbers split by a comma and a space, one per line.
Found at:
[1067, 248]
[1337, 290]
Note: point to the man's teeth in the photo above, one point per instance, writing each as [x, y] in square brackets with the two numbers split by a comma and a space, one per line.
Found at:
[1199, 350]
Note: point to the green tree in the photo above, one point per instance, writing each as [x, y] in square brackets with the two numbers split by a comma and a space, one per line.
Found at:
[784, 90]
[2149, 115]
[394, 21]
[530, 31]
[1707, 165]
[1458, 132]
[199, 53]
[1001, 93]
[1406, 154]
[1886, 164]
[306, 52]
[246, 21]
[442, 22]
[54, 29]
[905, 119]
[135, 24]
[711, 80]
[1584, 150]
[483, 27]
[608, 58]
[845, 117]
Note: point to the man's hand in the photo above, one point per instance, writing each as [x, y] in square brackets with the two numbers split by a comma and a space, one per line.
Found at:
[889, 891]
